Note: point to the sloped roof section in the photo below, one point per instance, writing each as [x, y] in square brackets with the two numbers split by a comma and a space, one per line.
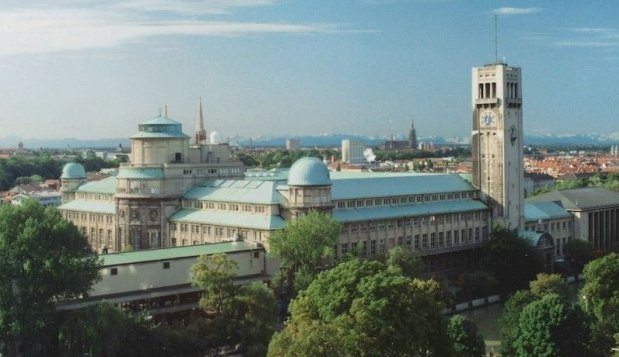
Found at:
[92, 206]
[238, 191]
[581, 198]
[227, 218]
[106, 185]
[365, 185]
[419, 209]
[140, 256]
[534, 211]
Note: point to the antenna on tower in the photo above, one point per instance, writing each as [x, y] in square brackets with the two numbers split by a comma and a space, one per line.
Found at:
[496, 40]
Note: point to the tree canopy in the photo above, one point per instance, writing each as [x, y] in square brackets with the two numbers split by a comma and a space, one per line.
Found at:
[600, 299]
[244, 315]
[551, 326]
[303, 247]
[362, 308]
[43, 259]
[467, 340]
[510, 258]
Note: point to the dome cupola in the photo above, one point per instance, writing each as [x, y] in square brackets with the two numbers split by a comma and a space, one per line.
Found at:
[309, 171]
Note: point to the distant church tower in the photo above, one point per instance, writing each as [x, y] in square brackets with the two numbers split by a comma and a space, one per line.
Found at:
[412, 136]
[200, 134]
[497, 141]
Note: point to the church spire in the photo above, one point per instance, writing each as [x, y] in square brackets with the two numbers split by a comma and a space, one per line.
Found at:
[412, 136]
[200, 134]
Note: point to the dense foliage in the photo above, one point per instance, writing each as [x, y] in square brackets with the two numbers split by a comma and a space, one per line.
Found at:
[22, 169]
[244, 315]
[43, 258]
[467, 340]
[303, 247]
[600, 299]
[551, 326]
[510, 259]
[363, 308]
[280, 158]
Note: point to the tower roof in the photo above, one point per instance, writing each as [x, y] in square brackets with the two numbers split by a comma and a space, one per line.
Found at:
[309, 171]
[73, 170]
[160, 127]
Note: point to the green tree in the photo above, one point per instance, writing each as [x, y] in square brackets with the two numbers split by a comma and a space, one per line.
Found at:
[600, 299]
[578, 252]
[43, 259]
[548, 284]
[257, 317]
[96, 330]
[404, 261]
[214, 273]
[237, 314]
[467, 340]
[551, 326]
[510, 259]
[364, 308]
[509, 319]
[479, 284]
[303, 247]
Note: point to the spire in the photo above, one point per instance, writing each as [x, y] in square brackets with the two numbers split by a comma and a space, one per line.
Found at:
[200, 134]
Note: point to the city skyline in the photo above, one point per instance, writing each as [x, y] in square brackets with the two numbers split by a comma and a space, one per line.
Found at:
[266, 67]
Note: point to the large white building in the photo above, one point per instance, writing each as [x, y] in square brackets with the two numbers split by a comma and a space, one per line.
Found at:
[352, 152]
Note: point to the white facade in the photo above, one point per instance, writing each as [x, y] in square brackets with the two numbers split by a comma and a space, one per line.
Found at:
[497, 141]
[352, 152]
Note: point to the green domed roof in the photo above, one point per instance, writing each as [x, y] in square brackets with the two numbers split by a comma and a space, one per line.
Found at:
[73, 170]
[309, 171]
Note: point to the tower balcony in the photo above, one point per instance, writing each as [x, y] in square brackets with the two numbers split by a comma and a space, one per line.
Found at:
[486, 101]
[513, 102]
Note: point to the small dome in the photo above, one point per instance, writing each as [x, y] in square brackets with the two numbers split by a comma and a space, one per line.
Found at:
[215, 138]
[73, 170]
[309, 171]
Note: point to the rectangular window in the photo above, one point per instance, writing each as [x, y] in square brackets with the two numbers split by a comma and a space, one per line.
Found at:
[432, 240]
[416, 241]
[373, 247]
[344, 248]
[166, 265]
[114, 271]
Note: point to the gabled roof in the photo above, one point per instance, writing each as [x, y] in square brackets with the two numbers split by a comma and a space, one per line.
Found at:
[140, 256]
[227, 218]
[238, 191]
[344, 215]
[92, 206]
[106, 185]
[580, 198]
[364, 185]
[534, 211]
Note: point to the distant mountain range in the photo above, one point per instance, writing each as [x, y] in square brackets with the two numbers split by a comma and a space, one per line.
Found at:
[322, 140]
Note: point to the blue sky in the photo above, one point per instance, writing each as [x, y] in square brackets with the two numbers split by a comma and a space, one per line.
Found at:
[92, 69]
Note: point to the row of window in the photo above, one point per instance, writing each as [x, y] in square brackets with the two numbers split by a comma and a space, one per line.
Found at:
[417, 221]
[93, 196]
[404, 200]
[222, 206]
[418, 241]
[214, 231]
[553, 226]
[91, 217]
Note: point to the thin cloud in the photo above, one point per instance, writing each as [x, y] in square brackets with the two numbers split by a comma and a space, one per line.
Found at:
[590, 37]
[39, 30]
[516, 10]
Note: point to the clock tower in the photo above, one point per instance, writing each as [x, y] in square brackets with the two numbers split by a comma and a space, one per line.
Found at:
[497, 141]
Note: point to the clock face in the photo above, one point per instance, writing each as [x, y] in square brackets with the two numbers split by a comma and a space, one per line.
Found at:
[487, 118]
